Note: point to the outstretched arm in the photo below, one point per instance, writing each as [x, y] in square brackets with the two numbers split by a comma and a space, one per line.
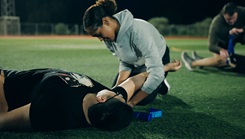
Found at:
[170, 67]
[3, 102]
[16, 119]
[134, 83]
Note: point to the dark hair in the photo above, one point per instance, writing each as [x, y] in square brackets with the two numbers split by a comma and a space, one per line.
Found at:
[92, 17]
[229, 8]
[111, 115]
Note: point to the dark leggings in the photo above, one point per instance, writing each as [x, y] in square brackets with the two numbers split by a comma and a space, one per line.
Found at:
[240, 66]
[240, 38]
[161, 88]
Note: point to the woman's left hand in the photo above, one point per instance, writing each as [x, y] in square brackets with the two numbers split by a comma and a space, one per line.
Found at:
[174, 66]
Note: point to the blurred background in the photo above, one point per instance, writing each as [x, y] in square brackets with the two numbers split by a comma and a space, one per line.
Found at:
[64, 17]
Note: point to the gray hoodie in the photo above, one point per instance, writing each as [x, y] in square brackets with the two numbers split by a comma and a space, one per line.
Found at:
[139, 44]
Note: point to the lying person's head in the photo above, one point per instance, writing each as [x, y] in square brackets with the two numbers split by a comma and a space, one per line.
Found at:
[113, 114]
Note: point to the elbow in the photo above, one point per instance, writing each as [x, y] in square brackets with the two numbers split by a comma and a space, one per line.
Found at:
[212, 49]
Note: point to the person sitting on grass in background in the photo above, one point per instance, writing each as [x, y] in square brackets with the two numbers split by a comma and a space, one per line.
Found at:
[53, 99]
[136, 43]
[226, 29]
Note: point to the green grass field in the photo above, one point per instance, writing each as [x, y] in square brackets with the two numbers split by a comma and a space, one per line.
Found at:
[206, 103]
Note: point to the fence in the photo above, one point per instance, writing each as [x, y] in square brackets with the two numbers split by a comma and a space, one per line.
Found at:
[75, 29]
[50, 29]
[9, 25]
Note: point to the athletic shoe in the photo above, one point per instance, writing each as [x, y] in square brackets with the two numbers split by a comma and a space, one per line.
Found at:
[164, 87]
[187, 60]
[195, 56]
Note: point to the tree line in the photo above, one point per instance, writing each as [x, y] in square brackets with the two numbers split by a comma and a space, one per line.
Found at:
[196, 29]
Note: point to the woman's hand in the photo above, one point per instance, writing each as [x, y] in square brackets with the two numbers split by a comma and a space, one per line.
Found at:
[173, 66]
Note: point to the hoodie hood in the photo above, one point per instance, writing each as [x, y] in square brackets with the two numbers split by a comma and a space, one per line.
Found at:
[125, 19]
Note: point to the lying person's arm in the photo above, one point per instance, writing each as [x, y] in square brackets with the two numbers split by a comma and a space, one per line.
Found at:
[134, 83]
[15, 119]
[170, 67]
[3, 102]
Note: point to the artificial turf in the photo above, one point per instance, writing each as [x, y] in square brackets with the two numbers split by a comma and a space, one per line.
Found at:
[205, 103]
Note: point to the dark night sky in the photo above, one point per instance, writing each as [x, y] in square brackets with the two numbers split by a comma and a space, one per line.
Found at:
[71, 11]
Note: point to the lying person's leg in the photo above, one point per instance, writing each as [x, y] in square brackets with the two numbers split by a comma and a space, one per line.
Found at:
[214, 61]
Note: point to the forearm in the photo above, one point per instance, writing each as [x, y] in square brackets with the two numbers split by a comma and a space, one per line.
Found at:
[134, 83]
[137, 98]
[137, 81]
[3, 102]
[166, 68]
[16, 119]
[122, 76]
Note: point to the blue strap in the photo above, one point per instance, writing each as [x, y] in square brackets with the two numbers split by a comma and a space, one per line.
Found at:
[155, 113]
[145, 116]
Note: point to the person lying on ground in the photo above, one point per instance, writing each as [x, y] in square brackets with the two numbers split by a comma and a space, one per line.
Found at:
[53, 99]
